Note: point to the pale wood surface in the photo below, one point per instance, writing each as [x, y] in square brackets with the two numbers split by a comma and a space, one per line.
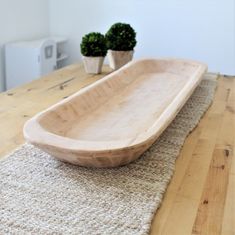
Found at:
[188, 207]
[92, 64]
[119, 58]
[114, 120]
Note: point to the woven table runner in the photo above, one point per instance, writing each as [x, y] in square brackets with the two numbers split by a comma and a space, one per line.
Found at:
[41, 195]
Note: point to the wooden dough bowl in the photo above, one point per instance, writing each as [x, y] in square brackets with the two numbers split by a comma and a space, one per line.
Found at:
[113, 121]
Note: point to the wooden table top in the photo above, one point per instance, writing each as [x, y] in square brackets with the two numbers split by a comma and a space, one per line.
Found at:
[20, 104]
[201, 196]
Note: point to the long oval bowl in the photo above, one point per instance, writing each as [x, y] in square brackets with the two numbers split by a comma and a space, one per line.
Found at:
[114, 120]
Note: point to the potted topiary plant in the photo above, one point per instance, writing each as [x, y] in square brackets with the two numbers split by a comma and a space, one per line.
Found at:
[121, 40]
[94, 49]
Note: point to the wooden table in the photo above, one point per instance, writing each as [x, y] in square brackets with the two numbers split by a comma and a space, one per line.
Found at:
[201, 196]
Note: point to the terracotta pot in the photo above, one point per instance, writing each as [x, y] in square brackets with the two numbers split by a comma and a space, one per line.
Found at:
[119, 58]
[92, 64]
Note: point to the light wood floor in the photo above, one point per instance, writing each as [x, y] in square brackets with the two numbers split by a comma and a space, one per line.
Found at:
[201, 196]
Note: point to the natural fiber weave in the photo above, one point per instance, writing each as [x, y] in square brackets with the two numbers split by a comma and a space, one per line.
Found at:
[41, 195]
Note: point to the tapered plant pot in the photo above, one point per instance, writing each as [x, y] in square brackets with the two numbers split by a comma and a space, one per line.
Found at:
[92, 64]
[119, 58]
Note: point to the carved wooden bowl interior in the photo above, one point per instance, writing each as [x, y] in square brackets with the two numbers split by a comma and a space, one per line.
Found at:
[113, 121]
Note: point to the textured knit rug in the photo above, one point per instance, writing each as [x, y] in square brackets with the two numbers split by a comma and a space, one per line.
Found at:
[41, 195]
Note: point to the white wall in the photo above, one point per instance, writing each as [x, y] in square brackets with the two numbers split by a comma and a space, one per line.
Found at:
[202, 30]
[21, 20]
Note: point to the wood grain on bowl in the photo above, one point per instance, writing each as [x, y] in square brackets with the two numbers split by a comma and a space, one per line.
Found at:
[113, 121]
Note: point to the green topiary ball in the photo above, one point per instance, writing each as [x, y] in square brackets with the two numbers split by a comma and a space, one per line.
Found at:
[93, 44]
[121, 37]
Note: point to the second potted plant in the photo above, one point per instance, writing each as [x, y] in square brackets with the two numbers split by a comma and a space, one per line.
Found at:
[121, 40]
[94, 49]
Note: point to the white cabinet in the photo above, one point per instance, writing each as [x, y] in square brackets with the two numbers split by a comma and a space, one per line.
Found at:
[61, 55]
[29, 60]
